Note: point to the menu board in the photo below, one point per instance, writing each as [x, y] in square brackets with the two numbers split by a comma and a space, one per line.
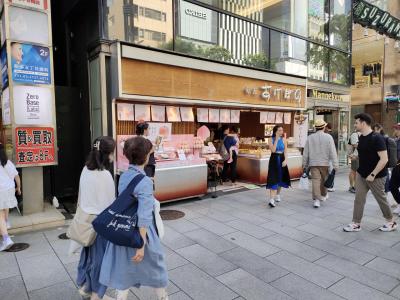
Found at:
[158, 113]
[263, 117]
[202, 115]
[235, 116]
[125, 112]
[279, 118]
[225, 116]
[173, 114]
[142, 112]
[271, 117]
[187, 114]
[288, 118]
[213, 115]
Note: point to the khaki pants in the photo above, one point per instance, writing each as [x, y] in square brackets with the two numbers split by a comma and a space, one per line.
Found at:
[318, 177]
[377, 188]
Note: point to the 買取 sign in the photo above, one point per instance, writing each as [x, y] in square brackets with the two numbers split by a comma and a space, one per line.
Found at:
[30, 64]
[370, 16]
[40, 4]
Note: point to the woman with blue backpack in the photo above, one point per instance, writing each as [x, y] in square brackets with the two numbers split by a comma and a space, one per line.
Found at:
[125, 264]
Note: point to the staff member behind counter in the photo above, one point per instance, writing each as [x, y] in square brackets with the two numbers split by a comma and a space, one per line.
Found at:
[142, 129]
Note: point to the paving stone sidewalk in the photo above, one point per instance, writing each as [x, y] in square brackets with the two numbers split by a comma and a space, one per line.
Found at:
[236, 247]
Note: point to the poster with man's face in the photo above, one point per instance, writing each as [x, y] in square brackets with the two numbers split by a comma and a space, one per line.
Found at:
[30, 63]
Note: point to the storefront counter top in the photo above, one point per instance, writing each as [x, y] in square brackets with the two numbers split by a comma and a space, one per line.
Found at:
[255, 170]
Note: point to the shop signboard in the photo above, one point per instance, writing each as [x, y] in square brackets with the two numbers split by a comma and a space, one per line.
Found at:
[35, 146]
[371, 16]
[30, 64]
[317, 94]
[28, 25]
[4, 67]
[198, 23]
[32, 105]
[5, 106]
[39, 4]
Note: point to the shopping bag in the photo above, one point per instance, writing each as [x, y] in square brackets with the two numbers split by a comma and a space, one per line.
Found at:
[330, 181]
[304, 181]
[159, 222]
[118, 222]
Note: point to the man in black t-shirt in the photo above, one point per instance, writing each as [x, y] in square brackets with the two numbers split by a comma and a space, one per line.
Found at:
[371, 174]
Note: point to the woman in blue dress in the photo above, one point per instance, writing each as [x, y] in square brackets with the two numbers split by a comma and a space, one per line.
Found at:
[125, 267]
[278, 172]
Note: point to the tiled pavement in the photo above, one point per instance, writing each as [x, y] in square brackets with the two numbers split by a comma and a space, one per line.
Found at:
[236, 247]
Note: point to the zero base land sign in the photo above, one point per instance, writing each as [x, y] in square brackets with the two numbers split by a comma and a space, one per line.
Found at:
[34, 146]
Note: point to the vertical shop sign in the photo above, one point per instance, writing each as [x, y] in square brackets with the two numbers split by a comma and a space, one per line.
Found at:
[30, 64]
[5, 105]
[34, 146]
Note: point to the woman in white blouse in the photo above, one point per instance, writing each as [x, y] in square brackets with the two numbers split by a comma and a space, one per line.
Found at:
[96, 193]
[8, 174]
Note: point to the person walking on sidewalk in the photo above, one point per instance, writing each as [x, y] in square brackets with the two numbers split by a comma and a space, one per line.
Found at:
[8, 174]
[371, 174]
[278, 172]
[318, 152]
[96, 193]
[395, 186]
[353, 155]
[125, 267]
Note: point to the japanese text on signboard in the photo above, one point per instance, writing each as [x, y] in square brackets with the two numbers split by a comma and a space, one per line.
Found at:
[35, 146]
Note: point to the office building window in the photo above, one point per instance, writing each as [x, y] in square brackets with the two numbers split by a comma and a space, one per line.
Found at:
[340, 24]
[318, 16]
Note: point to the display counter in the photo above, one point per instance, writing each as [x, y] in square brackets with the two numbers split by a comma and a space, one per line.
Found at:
[175, 180]
[251, 168]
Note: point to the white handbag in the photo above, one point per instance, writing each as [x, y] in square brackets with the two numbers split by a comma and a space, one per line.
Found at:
[159, 221]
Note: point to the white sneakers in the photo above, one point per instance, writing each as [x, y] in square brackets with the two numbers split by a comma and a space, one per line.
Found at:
[391, 226]
[276, 199]
[353, 227]
[325, 198]
[6, 244]
[317, 203]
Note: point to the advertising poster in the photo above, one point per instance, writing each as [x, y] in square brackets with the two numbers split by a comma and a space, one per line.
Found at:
[288, 118]
[4, 67]
[202, 115]
[122, 161]
[32, 105]
[39, 4]
[30, 64]
[28, 25]
[263, 117]
[125, 112]
[163, 130]
[34, 146]
[5, 105]
[213, 115]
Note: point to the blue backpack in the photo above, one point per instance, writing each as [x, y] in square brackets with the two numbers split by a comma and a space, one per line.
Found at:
[118, 222]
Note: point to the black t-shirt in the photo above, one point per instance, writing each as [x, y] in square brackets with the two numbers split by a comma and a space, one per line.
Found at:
[368, 148]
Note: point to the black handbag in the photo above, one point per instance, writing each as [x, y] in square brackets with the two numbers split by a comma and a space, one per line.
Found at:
[118, 222]
[330, 181]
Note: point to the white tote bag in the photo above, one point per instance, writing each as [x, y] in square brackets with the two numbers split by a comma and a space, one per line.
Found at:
[304, 182]
[159, 222]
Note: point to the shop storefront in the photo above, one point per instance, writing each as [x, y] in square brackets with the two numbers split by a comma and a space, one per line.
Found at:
[332, 104]
[186, 101]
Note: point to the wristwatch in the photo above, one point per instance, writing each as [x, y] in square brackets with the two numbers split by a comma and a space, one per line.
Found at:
[372, 174]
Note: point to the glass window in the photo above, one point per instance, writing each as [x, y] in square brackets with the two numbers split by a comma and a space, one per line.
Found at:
[290, 15]
[339, 67]
[318, 62]
[318, 20]
[145, 22]
[340, 24]
[288, 54]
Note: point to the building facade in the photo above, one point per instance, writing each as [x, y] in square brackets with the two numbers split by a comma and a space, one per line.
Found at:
[375, 76]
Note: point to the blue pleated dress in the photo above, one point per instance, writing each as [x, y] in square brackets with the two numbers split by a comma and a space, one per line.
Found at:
[118, 271]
